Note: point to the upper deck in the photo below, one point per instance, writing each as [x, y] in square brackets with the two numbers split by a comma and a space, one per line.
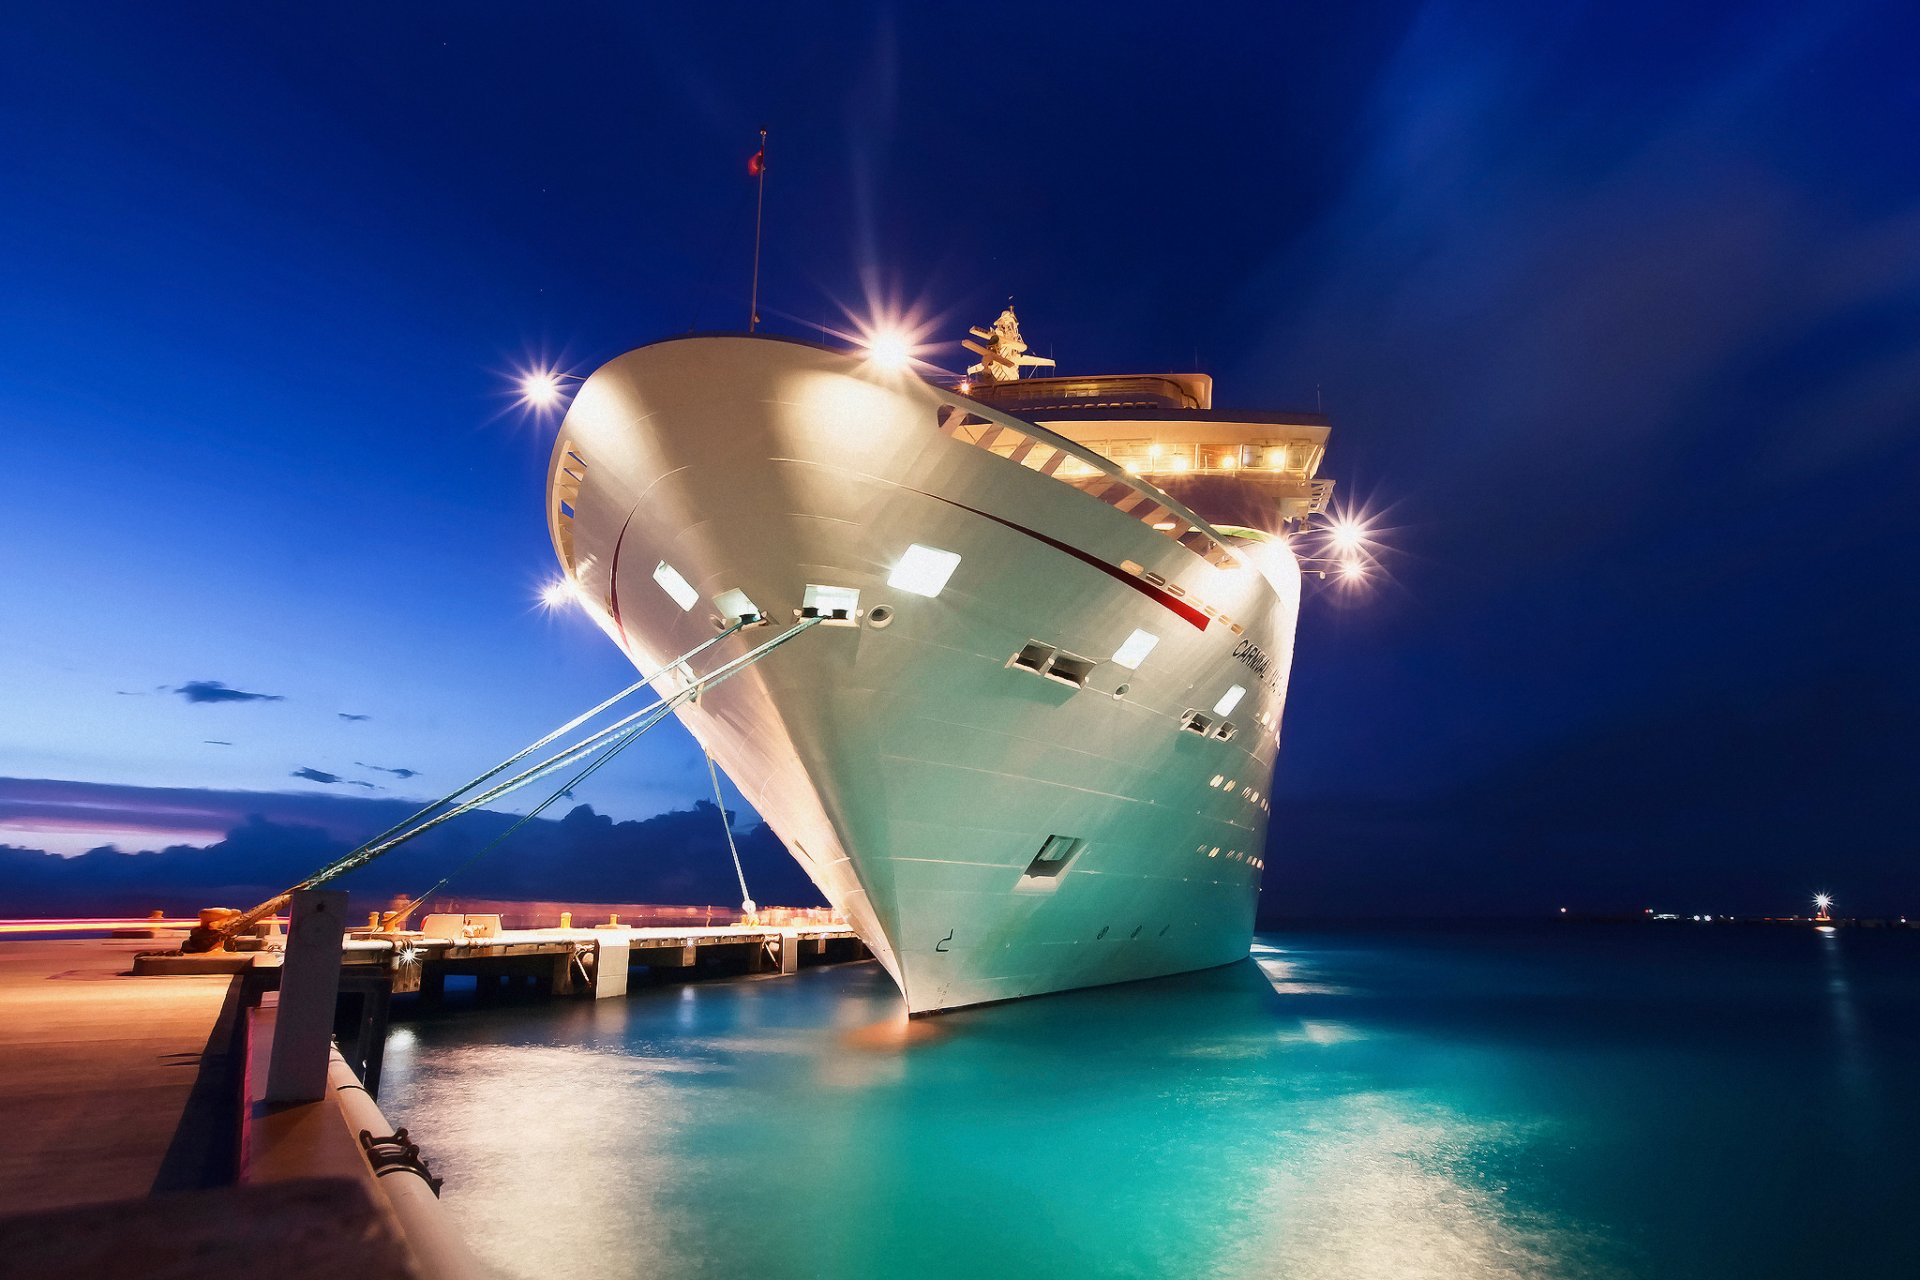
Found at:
[1255, 469]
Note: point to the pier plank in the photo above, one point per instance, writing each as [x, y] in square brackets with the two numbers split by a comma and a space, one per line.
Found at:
[97, 1072]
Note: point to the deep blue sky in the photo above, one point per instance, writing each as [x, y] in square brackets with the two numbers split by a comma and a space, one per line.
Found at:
[1615, 307]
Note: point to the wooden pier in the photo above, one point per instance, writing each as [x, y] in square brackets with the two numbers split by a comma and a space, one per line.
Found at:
[221, 1106]
[600, 962]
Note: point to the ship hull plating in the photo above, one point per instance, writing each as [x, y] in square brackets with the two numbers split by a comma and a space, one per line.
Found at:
[909, 763]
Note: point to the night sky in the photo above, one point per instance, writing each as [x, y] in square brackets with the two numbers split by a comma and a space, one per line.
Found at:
[1615, 309]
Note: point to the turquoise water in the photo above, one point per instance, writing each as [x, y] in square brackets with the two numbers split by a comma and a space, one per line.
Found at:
[1576, 1101]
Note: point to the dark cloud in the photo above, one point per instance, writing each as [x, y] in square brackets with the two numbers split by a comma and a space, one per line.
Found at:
[275, 839]
[381, 768]
[348, 715]
[216, 742]
[330, 779]
[215, 691]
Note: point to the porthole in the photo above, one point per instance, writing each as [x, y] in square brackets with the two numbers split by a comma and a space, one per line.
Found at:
[1121, 692]
[880, 615]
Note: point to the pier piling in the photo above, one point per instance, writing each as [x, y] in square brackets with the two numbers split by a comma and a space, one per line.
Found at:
[309, 992]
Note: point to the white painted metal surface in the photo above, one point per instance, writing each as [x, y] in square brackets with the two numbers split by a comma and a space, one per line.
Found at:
[909, 759]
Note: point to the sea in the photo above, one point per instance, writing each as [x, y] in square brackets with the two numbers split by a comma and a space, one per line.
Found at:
[1664, 1099]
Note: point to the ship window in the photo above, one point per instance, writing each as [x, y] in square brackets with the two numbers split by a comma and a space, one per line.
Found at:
[675, 585]
[1194, 722]
[1226, 731]
[1229, 700]
[1033, 656]
[1134, 649]
[923, 570]
[1070, 669]
[1054, 856]
[837, 603]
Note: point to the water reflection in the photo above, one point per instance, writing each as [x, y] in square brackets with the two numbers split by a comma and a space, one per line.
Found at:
[1218, 1124]
[1468, 1104]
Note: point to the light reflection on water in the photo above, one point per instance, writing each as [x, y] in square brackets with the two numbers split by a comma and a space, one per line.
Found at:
[1338, 1106]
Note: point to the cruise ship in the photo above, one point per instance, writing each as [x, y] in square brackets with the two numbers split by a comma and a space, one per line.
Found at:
[1027, 745]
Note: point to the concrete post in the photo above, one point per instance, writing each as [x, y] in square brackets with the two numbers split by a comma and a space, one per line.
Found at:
[610, 965]
[789, 951]
[309, 986]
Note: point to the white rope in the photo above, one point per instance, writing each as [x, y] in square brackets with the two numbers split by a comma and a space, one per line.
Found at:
[747, 904]
[617, 735]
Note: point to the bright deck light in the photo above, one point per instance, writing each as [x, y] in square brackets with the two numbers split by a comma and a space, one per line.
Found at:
[1228, 701]
[676, 586]
[1349, 535]
[923, 570]
[1352, 570]
[1134, 649]
[889, 349]
[540, 388]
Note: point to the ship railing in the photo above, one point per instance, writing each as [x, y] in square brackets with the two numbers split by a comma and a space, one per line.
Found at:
[1144, 455]
[1036, 448]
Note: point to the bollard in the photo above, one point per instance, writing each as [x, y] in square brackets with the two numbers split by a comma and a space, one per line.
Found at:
[309, 986]
[566, 919]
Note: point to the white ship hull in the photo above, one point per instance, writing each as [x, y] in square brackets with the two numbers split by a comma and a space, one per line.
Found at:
[913, 772]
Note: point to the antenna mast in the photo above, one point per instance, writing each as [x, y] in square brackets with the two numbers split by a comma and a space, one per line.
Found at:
[759, 168]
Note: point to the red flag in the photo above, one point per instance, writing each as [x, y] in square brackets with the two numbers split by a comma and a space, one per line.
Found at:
[758, 164]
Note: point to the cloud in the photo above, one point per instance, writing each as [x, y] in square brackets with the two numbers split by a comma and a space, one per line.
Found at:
[216, 742]
[274, 839]
[215, 691]
[331, 779]
[380, 768]
[348, 715]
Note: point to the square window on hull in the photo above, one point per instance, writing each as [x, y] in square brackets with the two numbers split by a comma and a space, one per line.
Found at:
[1033, 656]
[1071, 669]
[1054, 857]
[1053, 663]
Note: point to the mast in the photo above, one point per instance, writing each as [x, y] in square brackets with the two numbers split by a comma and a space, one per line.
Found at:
[758, 166]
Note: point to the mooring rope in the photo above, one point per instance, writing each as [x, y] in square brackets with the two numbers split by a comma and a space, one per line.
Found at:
[351, 859]
[617, 736]
[565, 787]
[747, 904]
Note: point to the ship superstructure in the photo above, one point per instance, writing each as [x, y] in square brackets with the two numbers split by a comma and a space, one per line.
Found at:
[1029, 745]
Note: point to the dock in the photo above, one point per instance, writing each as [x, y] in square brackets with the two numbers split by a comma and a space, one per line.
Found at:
[182, 1114]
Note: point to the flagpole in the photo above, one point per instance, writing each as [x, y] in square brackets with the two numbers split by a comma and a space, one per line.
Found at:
[759, 204]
